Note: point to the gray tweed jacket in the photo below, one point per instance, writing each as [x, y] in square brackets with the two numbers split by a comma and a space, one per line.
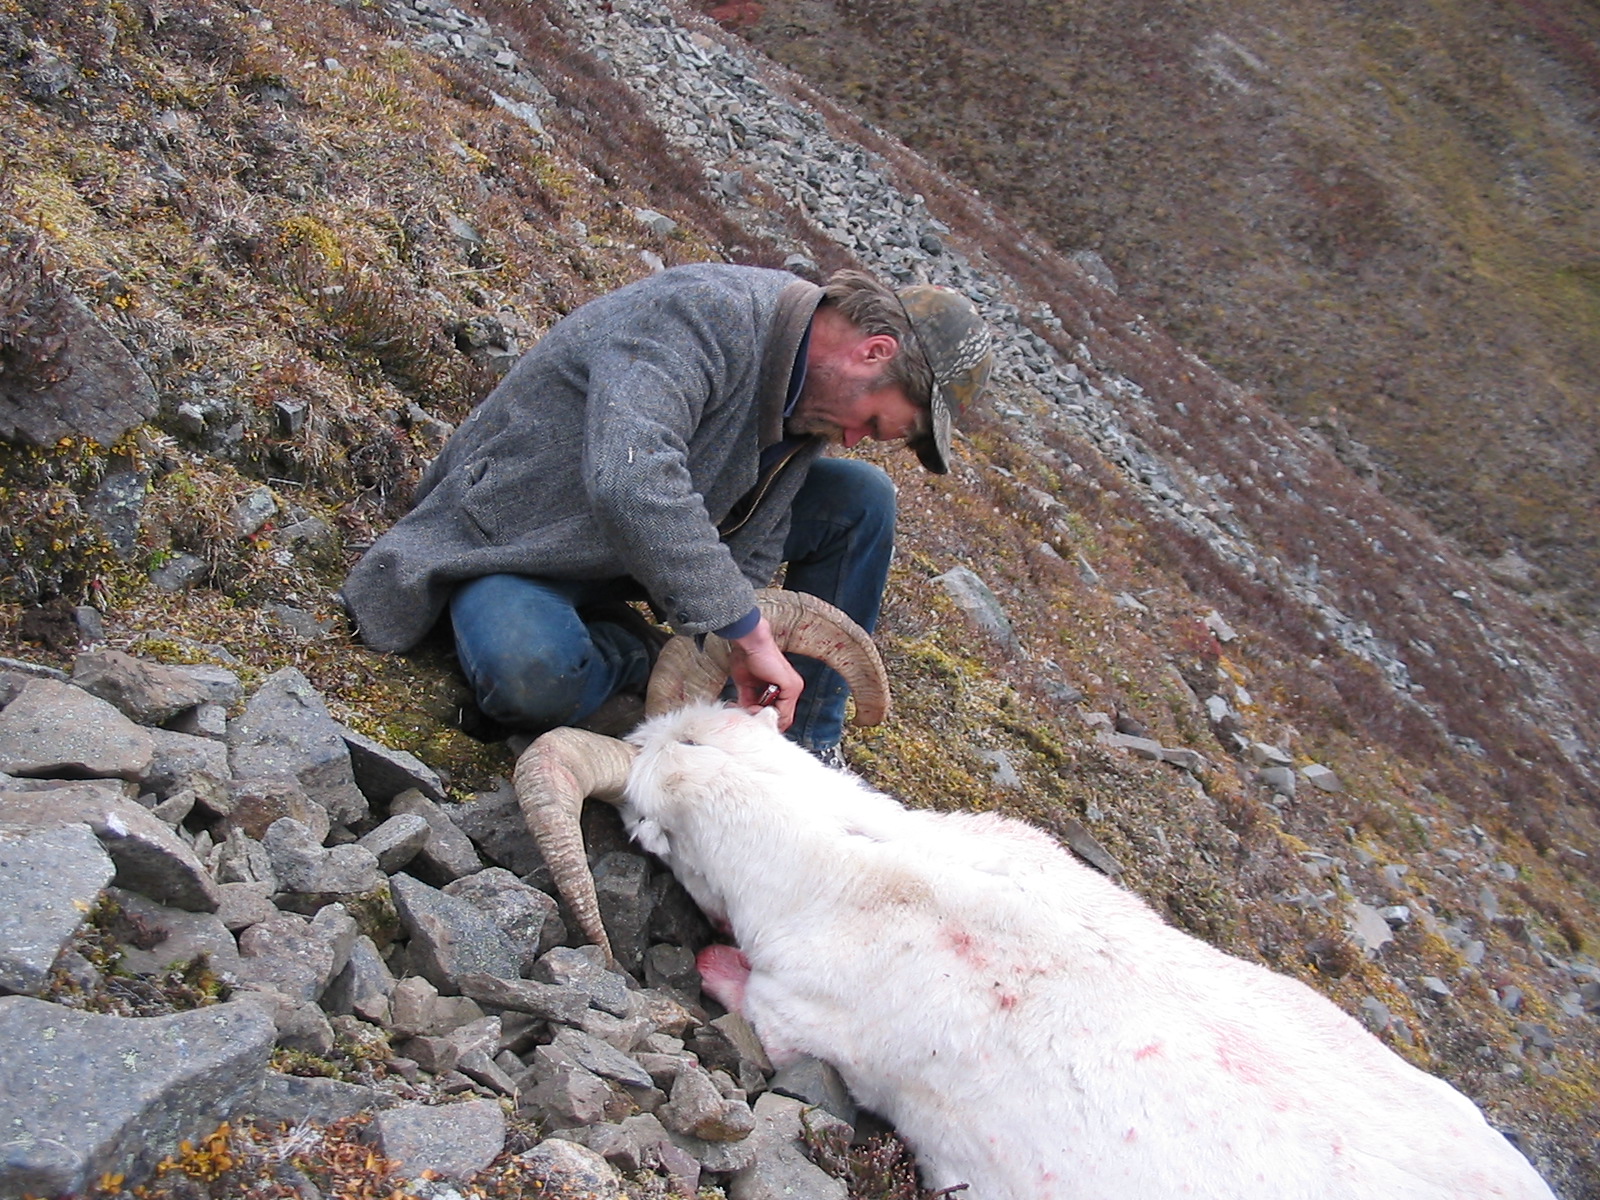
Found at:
[625, 444]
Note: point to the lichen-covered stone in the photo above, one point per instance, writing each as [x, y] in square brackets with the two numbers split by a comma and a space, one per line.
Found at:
[449, 936]
[83, 1094]
[55, 729]
[49, 879]
[285, 729]
[150, 858]
[453, 1140]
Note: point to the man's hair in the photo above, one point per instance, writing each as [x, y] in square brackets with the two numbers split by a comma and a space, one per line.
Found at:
[872, 307]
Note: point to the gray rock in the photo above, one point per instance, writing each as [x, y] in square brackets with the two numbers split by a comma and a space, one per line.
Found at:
[382, 773]
[239, 858]
[175, 808]
[83, 1094]
[49, 878]
[304, 1027]
[364, 985]
[494, 822]
[397, 841]
[743, 1038]
[300, 863]
[1280, 779]
[288, 956]
[293, 1099]
[530, 919]
[252, 806]
[478, 1066]
[145, 692]
[449, 854]
[1396, 915]
[1139, 747]
[816, 1084]
[173, 936]
[1264, 754]
[180, 573]
[584, 969]
[668, 966]
[779, 1169]
[1183, 758]
[55, 729]
[626, 904]
[117, 505]
[203, 720]
[104, 394]
[656, 223]
[592, 1054]
[1322, 778]
[560, 1167]
[245, 904]
[564, 1093]
[414, 1007]
[450, 937]
[286, 730]
[719, 1157]
[983, 609]
[698, 1109]
[453, 1140]
[182, 762]
[1368, 928]
[217, 685]
[624, 1146]
[150, 858]
[545, 1000]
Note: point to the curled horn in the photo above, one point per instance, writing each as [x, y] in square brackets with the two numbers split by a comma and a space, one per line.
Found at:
[802, 624]
[564, 767]
[552, 779]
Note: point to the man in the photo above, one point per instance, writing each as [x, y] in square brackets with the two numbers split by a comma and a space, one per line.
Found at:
[664, 442]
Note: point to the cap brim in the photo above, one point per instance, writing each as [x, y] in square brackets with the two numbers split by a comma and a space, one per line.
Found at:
[933, 447]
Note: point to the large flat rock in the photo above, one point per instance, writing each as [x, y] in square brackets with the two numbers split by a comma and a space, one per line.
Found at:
[83, 1094]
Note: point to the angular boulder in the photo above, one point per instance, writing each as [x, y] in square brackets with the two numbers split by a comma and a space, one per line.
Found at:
[83, 1094]
[55, 729]
[286, 729]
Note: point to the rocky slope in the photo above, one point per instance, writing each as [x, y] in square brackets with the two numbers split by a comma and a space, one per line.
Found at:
[1147, 613]
[1382, 216]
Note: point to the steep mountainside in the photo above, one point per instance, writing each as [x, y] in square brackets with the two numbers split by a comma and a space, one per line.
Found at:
[1382, 217]
[302, 239]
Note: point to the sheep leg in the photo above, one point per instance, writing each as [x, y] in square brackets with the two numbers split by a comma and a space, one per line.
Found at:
[724, 971]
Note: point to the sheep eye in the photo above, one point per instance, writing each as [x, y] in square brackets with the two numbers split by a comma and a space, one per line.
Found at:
[688, 742]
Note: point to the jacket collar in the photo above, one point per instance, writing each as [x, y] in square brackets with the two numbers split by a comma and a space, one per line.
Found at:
[797, 303]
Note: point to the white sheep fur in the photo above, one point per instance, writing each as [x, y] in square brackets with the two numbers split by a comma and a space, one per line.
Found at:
[1029, 1028]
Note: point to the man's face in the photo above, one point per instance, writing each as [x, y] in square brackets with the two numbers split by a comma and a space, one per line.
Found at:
[846, 404]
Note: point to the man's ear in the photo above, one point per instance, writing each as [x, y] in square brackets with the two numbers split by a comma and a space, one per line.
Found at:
[877, 349]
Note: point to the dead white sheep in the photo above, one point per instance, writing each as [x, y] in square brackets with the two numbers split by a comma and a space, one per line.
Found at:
[1031, 1029]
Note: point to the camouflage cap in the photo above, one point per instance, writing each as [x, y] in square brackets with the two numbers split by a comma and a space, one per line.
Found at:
[959, 350]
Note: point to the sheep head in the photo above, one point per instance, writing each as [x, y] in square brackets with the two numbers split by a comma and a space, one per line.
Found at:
[564, 767]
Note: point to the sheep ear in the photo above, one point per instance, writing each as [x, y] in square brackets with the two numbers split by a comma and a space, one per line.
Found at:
[768, 714]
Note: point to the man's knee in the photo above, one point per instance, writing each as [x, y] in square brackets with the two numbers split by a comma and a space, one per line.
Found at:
[849, 492]
[531, 687]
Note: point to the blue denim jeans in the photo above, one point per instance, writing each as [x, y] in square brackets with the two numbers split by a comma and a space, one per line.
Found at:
[534, 662]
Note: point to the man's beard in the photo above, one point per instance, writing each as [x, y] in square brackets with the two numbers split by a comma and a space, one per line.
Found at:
[827, 388]
[800, 425]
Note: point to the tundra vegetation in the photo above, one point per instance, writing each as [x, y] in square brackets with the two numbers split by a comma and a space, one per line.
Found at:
[320, 242]
[1381, 218]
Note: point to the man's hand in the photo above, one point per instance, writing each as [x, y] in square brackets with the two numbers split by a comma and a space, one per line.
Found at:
[757, 662]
